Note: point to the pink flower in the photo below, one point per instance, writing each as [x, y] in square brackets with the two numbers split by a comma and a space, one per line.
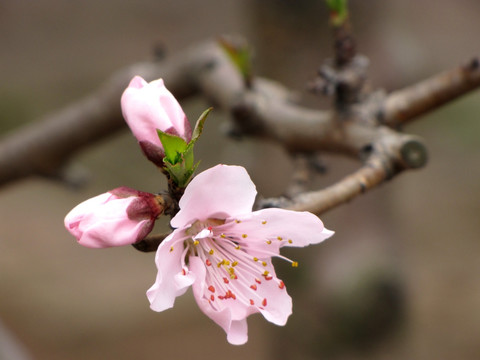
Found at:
[150, 106]
[224, 251]
[119, 217]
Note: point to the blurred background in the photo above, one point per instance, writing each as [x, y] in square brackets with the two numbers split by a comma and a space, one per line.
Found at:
[399, 280]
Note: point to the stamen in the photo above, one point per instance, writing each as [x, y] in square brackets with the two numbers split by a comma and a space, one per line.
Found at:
[211, 288]
[279, 238]
[290, 241]
[253, 287]
[208, 262]
[269, 242]
[252, 302]
[281, 284]
[171, 248]
[264, 302]
[244, 236]
[294, 264]
[264, 222]
[225, 280]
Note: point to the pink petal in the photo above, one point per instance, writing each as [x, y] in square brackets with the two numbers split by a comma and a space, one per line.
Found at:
[103, 221]
[236, 329]
[173, 277]
[275, 228]
[147, 107]
[221, 191]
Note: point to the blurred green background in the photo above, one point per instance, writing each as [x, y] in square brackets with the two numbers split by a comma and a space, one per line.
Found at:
[399, 280]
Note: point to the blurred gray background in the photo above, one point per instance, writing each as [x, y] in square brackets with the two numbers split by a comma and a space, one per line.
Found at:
[399, 280]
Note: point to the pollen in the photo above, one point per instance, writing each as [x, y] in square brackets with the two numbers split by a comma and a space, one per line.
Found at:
[235, 263]
[294, 264]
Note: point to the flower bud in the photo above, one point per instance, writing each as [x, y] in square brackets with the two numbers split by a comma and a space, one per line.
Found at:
[119, 217]
[147, 107]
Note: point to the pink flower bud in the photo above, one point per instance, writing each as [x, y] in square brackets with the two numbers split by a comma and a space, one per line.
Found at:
[147, 107]
[119, 217]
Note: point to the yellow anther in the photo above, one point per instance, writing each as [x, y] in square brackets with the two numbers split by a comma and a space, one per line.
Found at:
[237, 247]
[226, 262]
[171, 248]
[269, 242]
[221, 263]
[231, 270]
[264, 222]
[264, 263]
[294, 264]
[265, 273]
[279, 238]
[255, 259]
[196, 242]
[238, 221]
[235, 263]
[244, 236]
[222, 236]
[290, 241]
[211, 252]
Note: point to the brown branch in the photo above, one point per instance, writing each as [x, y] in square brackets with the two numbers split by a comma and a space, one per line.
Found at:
[405, 105]
[265, 110]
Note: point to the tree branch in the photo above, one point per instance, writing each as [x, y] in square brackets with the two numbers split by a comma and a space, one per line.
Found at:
[405, 105]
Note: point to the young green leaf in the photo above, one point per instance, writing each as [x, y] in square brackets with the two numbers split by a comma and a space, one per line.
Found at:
[174, 146]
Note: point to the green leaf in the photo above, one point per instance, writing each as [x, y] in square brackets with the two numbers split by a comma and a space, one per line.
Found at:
[180, 174]
[338, 11]
[197, 131]
[241, 56]
[174, 146]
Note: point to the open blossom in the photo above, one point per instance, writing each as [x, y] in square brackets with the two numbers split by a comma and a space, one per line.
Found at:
[147, 107]
[119, 217]
[223, 250]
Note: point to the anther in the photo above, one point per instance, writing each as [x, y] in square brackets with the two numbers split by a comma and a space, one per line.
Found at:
[253, 287]
[264, 263]
[264, 222]
[252, 302]
[208, 262]
[294, 264]
[171, 248]
[244, 236]
[264, 302]
[279, 238]
[281, 284]
[269, 242]
[290, 241]
[196, 242]
[211, 252]
[225, 280]
[211, 288]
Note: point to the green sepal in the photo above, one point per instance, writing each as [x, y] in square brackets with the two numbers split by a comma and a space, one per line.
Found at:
[179, 161]
[173, 146]
[338, 11]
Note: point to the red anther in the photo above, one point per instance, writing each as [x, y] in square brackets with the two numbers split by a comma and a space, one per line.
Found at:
[210, 228]
[258, 281]
[264, 302]
[211, 288]
[281, 284]
[268, 277]
[221, 297]
[212, 297]
[184, 272]
[225, 280]
[252, 302]
[253, 287]
[208, 262]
